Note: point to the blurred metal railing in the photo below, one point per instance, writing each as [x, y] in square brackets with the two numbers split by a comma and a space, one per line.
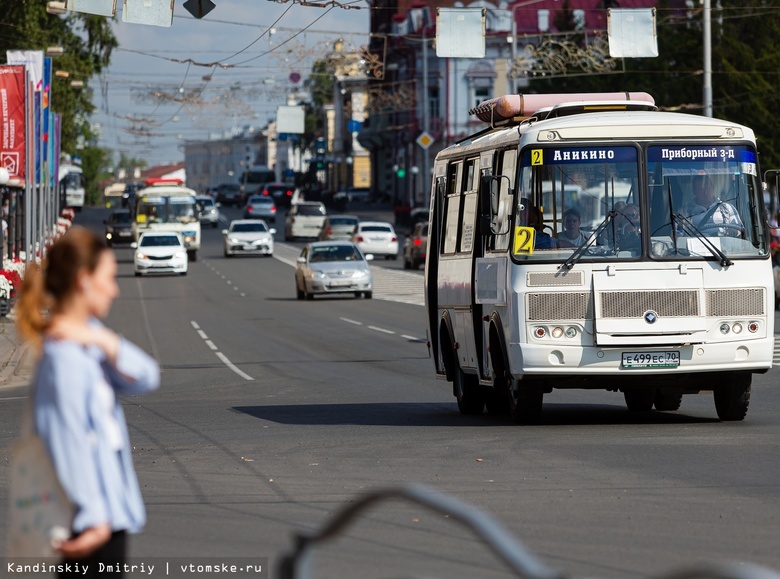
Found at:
[299, 563]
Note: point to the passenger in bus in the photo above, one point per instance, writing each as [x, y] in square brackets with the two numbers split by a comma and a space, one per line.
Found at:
[530, 216]
[571, 236]
[709, 214]
[628, 233]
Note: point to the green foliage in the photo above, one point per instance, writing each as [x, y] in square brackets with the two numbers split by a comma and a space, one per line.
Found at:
[94, 161]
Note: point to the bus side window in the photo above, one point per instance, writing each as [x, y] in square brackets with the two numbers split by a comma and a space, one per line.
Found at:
[452, 208]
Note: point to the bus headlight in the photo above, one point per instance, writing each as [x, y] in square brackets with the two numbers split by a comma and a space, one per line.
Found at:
[571, 332]
[724, 329]
[557, 332]
[736, 328]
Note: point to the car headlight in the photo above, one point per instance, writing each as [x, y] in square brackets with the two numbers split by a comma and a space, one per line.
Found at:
[180, 254]
[317, 274]
[359, 273]
[233, 240]
[141, 255]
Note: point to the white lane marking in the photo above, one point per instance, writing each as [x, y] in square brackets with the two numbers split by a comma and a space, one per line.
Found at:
[413, 339]
[351, 321]
[233, 367]
[381, 330]
[220, 355]
[284, 260]
[229, 282]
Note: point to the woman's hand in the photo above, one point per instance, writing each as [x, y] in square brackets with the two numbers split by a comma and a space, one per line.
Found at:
[62, 328]
[86, 543]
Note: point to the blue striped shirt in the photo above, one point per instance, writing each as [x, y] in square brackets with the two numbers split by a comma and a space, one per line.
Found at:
[87, 436]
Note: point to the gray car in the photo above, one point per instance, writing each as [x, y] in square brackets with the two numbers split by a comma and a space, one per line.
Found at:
[332, 267]
[338, 227]
[260, 207]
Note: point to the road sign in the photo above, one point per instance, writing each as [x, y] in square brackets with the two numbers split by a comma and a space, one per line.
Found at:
[199, 8]
[425, 140]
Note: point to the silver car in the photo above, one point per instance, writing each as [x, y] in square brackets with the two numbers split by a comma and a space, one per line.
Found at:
[260, 207]
[208, 210]
[332, 267]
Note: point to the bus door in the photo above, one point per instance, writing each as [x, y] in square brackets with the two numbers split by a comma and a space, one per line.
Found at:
[432, 260]
[491, 256]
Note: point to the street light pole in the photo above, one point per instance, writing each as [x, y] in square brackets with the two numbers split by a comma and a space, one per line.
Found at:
[707, 91]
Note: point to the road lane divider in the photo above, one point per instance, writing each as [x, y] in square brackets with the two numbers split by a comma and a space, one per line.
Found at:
[219, 354]
[377, 329]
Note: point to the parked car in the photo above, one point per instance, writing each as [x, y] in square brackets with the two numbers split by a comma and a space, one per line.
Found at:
[283, 194]
[416, 246]
[229, 194]
[332, 267]
[119, 227]
[338, 227]
[248, 237]
[160, 252]
[260, 207]
[377, 238]
[208, 210]
[359, 195]
[304, 220]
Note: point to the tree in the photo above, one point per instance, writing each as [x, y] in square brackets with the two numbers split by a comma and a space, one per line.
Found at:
[87, 41]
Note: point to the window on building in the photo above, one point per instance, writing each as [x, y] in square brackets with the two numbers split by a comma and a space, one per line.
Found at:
[543, 17]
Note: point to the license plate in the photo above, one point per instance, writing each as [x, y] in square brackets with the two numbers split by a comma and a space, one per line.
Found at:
[249, 247]
[669, 359]
[340, 283]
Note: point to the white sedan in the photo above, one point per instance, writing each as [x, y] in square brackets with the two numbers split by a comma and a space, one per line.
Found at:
[248, 237]
[376, 238]
[328, 267]
[160, 252]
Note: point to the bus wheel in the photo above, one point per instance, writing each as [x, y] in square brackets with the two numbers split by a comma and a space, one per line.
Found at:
[667, 401]
[525, 401]
[468, 392]
[732, 399]
[640, 399]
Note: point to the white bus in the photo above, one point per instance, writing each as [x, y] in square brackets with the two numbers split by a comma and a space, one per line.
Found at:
[71, 181]
[167, 205]
[657, 300]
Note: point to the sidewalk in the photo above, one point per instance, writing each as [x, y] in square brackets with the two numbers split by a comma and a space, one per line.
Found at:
[15, 360]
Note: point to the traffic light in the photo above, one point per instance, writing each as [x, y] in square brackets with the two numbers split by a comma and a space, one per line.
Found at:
[401, 173]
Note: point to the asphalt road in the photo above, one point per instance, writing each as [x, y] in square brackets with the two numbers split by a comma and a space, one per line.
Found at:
[274, 413]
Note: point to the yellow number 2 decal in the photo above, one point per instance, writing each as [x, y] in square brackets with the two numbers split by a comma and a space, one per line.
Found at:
[524, 240]
[537, 157]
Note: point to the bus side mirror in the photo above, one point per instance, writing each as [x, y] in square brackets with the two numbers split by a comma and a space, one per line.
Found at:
[490, 206]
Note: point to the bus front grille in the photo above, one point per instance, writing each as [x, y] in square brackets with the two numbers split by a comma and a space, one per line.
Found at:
[665, 303]
[550, 306]
[736, 302]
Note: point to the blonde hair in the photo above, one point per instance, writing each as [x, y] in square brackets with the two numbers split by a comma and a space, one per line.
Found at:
[45, 288]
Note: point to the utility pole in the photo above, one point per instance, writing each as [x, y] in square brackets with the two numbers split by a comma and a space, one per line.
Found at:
[707, 93]
[426, 177]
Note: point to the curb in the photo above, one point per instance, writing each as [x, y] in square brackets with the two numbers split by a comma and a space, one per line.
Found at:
[13, 363]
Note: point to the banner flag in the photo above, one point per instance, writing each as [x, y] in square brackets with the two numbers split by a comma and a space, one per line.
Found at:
[33, 60]
[12, 142]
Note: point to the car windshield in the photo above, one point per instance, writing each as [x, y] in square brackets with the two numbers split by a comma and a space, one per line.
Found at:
[120, 218]
[308, 210]
[334, 253]
[382, 228]
[159, 240]
[206, 202]
[245, 227]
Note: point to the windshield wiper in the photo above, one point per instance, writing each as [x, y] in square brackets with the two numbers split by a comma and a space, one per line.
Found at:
[580, 251]
[690, 229]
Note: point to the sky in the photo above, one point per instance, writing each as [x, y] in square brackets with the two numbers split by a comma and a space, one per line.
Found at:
[157, 93]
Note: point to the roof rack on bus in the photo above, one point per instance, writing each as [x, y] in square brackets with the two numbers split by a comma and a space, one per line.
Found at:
[514, 108]
[157, 181]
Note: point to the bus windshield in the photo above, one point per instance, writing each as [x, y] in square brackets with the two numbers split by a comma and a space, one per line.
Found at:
[695, 202]
[159, 209]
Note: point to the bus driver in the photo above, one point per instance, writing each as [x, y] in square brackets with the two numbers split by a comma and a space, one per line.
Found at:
[708, 213]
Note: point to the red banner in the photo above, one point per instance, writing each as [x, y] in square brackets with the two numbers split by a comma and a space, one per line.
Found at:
[12, 94]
